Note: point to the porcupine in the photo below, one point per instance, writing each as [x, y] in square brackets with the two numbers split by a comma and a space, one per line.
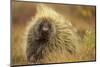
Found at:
[51, 38]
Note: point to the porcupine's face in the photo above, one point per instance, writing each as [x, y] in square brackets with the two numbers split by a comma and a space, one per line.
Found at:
[44, 30]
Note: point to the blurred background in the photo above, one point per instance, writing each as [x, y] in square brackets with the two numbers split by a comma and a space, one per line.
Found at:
[83, 18]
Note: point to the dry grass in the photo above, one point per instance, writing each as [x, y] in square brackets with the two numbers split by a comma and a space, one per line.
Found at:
[89, 42]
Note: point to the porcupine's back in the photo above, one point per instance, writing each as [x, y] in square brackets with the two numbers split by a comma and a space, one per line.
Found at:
[63, 44]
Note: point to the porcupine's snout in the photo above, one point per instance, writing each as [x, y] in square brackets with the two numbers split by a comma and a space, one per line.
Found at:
[44, 30]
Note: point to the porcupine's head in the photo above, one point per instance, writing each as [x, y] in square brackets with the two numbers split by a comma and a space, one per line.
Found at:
[44, 30]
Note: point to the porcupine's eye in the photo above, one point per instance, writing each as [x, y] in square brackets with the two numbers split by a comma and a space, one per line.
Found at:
[44, 29]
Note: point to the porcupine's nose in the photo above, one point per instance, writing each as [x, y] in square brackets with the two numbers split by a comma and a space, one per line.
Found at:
[45, 28]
